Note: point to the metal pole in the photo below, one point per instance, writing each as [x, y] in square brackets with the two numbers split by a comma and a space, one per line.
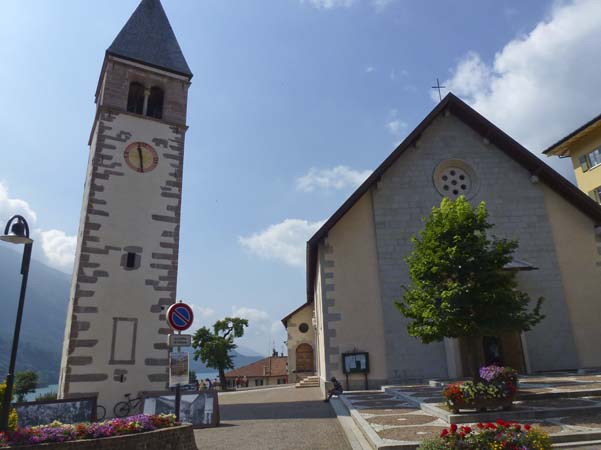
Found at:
[10, 377]
[178, 393]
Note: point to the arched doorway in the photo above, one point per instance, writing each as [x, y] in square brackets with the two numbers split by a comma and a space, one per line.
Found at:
[304, 358]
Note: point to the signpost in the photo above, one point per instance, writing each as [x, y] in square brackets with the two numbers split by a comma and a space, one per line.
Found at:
[179, 318]
[180, 340]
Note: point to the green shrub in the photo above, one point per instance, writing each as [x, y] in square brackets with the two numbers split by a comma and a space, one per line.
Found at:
[12, 418]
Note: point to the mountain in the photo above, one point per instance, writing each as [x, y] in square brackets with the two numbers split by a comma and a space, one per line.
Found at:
[44, 315]
[46, 300]
[239, 361]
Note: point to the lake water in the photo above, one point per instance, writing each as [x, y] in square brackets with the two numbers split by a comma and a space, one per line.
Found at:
[54, 387]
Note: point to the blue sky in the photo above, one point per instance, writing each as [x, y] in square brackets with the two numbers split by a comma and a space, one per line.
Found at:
[293, 103]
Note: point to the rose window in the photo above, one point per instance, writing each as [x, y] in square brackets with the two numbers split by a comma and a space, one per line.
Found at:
[454, 178]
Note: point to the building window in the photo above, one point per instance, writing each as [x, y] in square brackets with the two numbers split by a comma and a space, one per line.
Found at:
[453, 178]
[155, 103]
[135, 98]
[595, 194]
[303, 328]
[130, 260]
[123, 344]
[590, 160]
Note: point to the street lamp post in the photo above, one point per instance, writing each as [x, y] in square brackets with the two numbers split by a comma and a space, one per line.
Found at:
[16, 232]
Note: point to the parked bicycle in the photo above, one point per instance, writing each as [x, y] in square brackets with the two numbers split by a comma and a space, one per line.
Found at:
[125, 408]
[100, 412]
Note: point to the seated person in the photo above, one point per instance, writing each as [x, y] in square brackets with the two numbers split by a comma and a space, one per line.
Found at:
[336, 390]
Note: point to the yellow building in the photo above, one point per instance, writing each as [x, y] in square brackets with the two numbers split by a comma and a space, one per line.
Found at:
[583, 146]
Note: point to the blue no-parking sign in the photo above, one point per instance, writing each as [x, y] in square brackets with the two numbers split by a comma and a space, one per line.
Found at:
[180, 316]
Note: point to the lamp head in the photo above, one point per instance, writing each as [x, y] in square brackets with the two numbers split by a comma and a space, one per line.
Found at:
[17, 231]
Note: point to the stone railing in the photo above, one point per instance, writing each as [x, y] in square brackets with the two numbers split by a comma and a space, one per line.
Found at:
[176, 438]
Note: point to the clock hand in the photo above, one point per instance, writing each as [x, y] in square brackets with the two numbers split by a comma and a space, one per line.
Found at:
[141, 159]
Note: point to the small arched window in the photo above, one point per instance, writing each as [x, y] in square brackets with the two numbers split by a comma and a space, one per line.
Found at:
[155, 103]
[135, 98]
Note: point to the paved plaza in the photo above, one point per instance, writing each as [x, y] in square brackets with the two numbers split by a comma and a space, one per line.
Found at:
[567, 406]
[279, 418]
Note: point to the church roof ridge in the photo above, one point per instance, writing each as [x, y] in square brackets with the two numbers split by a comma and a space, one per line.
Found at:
[147, 38]
[484, 127]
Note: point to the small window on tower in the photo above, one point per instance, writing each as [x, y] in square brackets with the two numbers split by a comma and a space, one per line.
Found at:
[155, 103]
[135, 98]
[130, 260]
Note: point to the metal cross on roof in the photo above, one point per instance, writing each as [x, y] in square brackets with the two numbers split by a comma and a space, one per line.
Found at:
[439, 87]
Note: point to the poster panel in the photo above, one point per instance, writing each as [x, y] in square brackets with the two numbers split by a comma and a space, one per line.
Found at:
[178, 368]
[74, 410]
[201, 409]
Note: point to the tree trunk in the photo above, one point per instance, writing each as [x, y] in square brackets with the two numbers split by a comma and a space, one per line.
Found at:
[475, 349]
[222, 379]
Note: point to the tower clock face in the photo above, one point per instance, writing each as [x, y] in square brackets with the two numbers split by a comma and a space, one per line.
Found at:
[141, 157]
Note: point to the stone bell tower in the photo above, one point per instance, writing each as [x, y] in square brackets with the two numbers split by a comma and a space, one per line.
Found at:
[125, 271]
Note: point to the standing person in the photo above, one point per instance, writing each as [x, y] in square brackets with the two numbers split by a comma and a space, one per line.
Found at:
[336, 390]
[245, 381]
[209, 383]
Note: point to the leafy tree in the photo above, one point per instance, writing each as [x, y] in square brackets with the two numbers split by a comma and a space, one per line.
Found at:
[459, 285]
[213, 347]
[193, 379]
[25, 382]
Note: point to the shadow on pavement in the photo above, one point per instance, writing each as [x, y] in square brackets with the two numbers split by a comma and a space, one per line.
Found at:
[271, 411]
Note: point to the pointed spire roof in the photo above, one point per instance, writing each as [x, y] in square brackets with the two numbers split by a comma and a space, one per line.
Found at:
[148, 38]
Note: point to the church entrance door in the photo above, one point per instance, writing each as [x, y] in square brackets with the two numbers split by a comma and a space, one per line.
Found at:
[304, 358]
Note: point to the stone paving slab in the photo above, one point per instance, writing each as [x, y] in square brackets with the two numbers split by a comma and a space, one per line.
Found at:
[274, 419]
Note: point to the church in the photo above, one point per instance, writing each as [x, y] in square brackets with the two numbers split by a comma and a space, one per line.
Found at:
[349, 326]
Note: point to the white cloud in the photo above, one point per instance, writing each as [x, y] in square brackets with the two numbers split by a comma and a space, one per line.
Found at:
[381, 5]
[11, 206]
[540, 86]
[284, 241]
[205, 311]
[336, 178]
[58, 247]
[395, 126]
[329, 4]
[252, 314]
[369, 69]
[378, 5]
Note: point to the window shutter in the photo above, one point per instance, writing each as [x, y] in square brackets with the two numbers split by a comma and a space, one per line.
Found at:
[584, 165]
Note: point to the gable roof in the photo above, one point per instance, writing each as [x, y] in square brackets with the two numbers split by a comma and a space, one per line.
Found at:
[485, 128]
[273, 366]
[560, 148]
[148, 38]
[287, 318]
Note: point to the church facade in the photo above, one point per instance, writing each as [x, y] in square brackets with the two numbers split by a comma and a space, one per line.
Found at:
[125, 272]
[356, 261]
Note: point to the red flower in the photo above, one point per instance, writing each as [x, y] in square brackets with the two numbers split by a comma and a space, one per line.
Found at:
[480, 425]
[527, 427]
[444, 432]
[453, 428]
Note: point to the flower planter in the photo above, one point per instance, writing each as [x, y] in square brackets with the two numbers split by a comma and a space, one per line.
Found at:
[482, 405]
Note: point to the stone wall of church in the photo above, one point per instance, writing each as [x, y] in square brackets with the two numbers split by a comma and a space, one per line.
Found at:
[349, 296]
[406, 193]
[116, 335]
[579, 253]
